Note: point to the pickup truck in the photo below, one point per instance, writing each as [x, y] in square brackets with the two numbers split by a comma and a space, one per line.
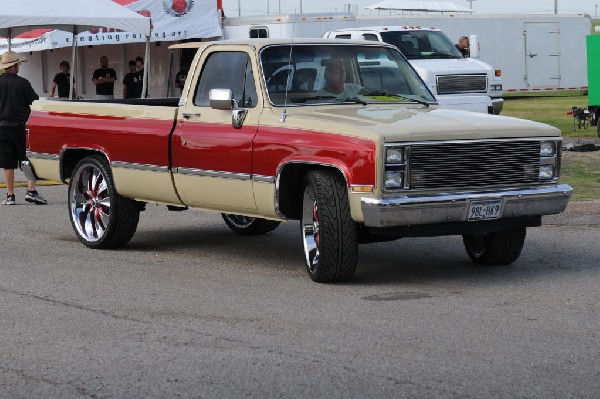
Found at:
[459, 83]
[262, 147]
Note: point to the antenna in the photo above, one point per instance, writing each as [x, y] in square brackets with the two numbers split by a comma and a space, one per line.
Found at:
[287, 81]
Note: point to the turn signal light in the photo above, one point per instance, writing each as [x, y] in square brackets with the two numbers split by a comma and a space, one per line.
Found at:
[498, 72]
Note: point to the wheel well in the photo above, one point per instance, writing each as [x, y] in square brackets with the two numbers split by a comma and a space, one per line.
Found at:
[291, 186]
[70, 158]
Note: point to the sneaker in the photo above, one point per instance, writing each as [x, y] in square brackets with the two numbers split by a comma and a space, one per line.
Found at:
[9, 200]
[35, 197]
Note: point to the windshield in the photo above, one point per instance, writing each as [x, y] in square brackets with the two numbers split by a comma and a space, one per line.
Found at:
[317, 74]
[422, 44]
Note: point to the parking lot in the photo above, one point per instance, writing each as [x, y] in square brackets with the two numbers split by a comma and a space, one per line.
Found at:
[190, 309]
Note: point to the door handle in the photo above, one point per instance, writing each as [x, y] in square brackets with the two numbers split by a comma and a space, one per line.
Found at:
[188, 115]
[531, 55]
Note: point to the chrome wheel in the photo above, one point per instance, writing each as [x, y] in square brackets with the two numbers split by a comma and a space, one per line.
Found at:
[248, 225]
[90, 203]
[310, 232]
[100, 217]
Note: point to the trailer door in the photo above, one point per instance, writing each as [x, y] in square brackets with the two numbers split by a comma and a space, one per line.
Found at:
[542, 55]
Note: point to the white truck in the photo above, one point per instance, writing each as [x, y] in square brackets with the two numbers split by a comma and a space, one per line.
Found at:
[457, 82]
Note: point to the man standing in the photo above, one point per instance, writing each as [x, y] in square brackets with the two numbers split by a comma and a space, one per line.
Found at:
[104, 79]
[16, 96]
[132, 83]
[62, 82]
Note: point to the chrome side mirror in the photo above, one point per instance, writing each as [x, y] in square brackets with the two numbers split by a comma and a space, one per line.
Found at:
[223, 99]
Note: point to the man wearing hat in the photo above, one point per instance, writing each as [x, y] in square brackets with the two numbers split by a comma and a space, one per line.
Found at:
[16, 96]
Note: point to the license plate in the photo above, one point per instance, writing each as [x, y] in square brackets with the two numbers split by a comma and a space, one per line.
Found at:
[485, 210]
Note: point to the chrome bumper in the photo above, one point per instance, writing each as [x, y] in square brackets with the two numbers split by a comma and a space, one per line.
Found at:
[497, 105]
[439, 208]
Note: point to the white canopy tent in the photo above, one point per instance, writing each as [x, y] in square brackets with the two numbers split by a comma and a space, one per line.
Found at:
[69, 15]
[419, 6]
[72, 16]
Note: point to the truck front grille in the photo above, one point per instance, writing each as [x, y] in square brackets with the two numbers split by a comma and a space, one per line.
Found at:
[456, 84]
[474, 164]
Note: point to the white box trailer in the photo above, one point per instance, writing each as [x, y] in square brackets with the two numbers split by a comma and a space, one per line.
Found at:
[286, 25]
[535, 52]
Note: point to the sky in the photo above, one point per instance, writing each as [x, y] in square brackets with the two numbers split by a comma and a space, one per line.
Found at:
[263, 7]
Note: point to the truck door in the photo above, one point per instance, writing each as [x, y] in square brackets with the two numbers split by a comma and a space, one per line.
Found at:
[542, 55]
[212, 160]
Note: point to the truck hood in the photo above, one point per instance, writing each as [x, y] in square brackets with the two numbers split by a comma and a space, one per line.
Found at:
[452, 66]
[413, 123]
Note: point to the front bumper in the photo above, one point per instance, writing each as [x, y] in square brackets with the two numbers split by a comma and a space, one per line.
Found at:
[441, 208]
[497, 105]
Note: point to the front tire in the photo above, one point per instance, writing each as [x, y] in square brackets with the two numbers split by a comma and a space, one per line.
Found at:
[248, 225]
[500, 248]
[328, 231]
[100, 217]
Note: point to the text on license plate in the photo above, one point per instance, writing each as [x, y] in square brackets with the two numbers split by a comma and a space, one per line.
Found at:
[485, 210]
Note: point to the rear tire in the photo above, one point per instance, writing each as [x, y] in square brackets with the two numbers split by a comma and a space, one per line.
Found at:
[328, 231]
[500, 248]
[100, 217]
[248, 225]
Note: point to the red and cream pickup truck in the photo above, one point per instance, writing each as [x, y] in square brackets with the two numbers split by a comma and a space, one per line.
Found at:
[341, 135]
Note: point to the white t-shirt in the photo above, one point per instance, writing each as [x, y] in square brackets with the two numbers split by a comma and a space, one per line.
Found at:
[350, 90]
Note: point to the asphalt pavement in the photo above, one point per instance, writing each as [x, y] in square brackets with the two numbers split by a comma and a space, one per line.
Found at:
[190, 309]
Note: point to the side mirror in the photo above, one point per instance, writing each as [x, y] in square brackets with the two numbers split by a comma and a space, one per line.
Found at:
[223, 99]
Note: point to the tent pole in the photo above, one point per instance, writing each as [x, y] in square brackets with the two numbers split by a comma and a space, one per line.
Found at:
[73, 60]
[170, 71]
[9, 38]
[146, 66]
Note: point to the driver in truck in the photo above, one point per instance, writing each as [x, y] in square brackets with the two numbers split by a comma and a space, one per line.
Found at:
[335, 82]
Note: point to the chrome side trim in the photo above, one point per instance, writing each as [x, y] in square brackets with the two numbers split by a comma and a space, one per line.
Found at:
[263, 179]
[439, 208]
[139, 166]
[213, 173]
[42, 155]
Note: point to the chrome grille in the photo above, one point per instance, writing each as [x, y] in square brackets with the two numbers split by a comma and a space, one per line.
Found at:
[474, 164]
[452, 84]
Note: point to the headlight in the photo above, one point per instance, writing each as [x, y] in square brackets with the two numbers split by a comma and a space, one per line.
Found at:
[547, 149]
[394, 155]
[396, 167]
[549, 161]
[394, 179]
[496, 87]
[547, 172]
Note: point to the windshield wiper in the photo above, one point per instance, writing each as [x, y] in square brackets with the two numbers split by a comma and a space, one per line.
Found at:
[355, 100]
[384, 93]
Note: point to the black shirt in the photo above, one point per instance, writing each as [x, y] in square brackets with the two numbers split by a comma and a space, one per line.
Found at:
[62, 84]
[133, 82]
[16, 96]
[105, 88]
[463, 51]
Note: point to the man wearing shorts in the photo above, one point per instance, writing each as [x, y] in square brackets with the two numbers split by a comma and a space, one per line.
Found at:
[16, 96]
